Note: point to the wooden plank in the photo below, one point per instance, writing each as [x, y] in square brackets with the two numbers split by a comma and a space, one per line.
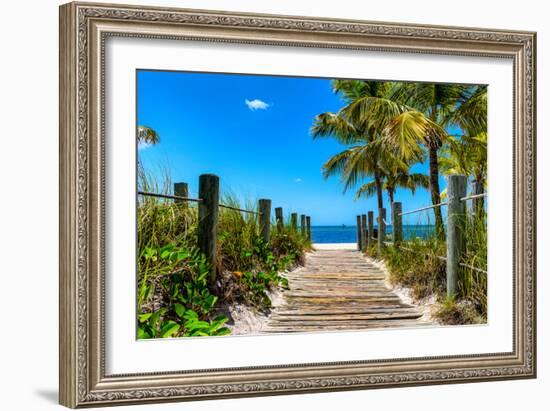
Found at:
[345, 317]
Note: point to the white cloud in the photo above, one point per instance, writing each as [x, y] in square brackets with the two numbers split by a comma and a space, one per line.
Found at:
[298, 180]
[256, 104]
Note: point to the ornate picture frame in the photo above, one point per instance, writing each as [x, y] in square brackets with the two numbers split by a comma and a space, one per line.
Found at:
[84, 28]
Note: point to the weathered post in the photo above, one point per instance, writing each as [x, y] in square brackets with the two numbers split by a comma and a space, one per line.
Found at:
[303, 225]
[397, 222]
[364, 232]
[381, 228]
[279, 217]
[359, 239]
[264, 206]
[308, 224]
[209, 193]
[370, 234]
[294, 222]
[477, 203]
[181, 190]
[456, 216]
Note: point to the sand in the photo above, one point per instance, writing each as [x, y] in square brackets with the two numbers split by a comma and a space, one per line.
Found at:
[335, 246]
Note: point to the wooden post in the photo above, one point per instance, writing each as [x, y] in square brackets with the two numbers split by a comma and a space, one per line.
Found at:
[370, 219]
[359, 239]
[364, 232]
[181, 190]
[397, 222]
[303, 225]
[294, 222]
[477, 203]
[209, 193]
[456, 189]
[264, 206]
[308, 224]
[381, 228]
[279, 217]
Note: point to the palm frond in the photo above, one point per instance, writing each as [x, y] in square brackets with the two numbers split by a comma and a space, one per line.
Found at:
[147, 135]
[335, 126]
[406, 132]
[366, 190]
[471, 114]
[373, 112]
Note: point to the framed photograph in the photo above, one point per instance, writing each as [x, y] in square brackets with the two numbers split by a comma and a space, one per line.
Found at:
[261, 205]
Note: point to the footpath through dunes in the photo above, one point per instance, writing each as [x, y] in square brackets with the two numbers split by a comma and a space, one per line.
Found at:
[339, 289]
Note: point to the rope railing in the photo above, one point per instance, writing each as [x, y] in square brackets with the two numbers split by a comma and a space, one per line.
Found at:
[474, 196]
[444, 203]
[239, 209]
[169, 196]
[479, 270]
[424, 208]
[442, 258]
[197, 200]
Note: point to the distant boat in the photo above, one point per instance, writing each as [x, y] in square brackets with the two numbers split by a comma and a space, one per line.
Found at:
[343, 226]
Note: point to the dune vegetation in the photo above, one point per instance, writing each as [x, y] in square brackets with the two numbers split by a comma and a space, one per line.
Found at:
[174, 296]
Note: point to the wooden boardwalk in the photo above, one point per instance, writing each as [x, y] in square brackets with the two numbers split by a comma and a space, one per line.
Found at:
[339, 290]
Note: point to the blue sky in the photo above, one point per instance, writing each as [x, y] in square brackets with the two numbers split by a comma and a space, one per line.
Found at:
[253, 131]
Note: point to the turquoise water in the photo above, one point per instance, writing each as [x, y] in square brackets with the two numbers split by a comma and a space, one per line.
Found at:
[348, 234]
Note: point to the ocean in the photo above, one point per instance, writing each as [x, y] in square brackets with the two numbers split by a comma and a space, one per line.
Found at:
[348, 234]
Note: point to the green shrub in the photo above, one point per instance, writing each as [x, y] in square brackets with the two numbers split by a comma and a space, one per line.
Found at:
[173, 295]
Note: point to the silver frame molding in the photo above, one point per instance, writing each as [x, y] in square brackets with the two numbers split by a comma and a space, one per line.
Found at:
[83, 30]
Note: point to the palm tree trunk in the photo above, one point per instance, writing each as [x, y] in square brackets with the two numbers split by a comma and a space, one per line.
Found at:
[435, 192]
[478, 203]
[390, 196]
[378, 182]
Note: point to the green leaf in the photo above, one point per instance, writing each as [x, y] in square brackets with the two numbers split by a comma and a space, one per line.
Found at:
[191, 315]
[155, 317]
[142, 334]
[169, 329]
[193, 325]
[221, 318]
[144, 317]
[223, 331]
[180, 310]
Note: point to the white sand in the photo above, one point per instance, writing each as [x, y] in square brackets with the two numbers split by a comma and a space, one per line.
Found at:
[427, 305]
[249, 321]
[335, 246]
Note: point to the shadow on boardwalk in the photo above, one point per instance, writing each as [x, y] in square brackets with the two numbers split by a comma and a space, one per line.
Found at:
[339, 289]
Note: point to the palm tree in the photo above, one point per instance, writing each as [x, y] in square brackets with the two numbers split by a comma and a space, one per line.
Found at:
[365, 156]
[413, 117]
[146, 135]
